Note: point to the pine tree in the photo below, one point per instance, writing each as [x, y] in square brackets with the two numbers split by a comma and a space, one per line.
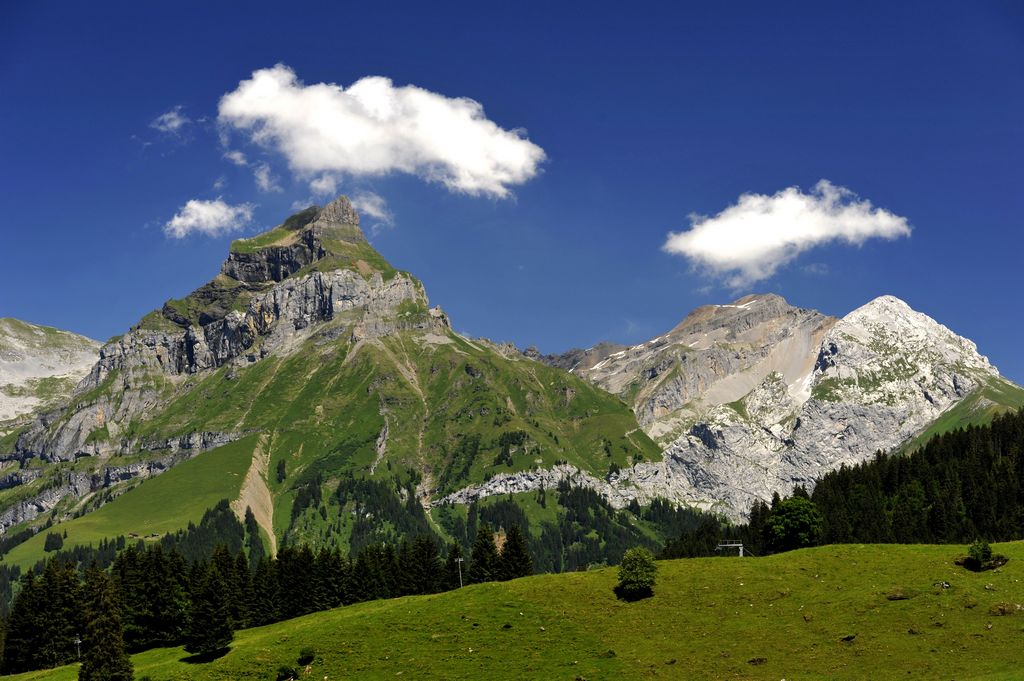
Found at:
[162, 621]
[25, 628]
[265, 597]
[209, 627]
[483, 562]
[105, 658]
[426, 568]
[130, 582]
[61, 602]
[515, 555]
[224, 564]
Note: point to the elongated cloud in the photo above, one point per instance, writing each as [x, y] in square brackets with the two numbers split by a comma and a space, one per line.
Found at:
[171, 122]
[374, 128]
[212, 218]
[749, 241]
[373, 206]
[264, 179]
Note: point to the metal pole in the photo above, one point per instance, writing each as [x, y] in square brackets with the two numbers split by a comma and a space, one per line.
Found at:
[458, 562]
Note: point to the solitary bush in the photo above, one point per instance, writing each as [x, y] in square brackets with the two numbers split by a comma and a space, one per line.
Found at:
[636, 575]
[980, 551]
[286, 673]
[306, 656]
[980, 557]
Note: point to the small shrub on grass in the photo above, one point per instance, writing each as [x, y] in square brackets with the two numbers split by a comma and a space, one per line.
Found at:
[636, 575]
[980, 557]
[285, 673]
[306, 656]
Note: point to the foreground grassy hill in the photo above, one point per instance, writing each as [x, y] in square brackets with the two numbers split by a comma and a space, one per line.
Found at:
[836, 612]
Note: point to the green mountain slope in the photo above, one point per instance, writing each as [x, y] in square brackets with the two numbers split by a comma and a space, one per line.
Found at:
[308, 360]
[837, 612]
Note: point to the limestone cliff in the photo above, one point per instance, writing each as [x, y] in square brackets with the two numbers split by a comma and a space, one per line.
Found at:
[757, 396]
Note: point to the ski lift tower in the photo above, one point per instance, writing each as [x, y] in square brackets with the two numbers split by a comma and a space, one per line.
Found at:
[731, 544]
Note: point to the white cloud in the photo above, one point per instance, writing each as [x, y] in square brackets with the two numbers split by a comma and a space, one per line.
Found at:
[325, 185]
[374, 128]
[750, 240]
[171, 122]
[373, 206]
[212, 218]
[237, 157]
[264, 179]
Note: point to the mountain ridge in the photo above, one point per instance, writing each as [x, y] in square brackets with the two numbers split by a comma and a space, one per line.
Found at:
[746, 398]
[310, 344]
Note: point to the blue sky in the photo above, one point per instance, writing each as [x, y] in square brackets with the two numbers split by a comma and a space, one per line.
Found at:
[646, 115]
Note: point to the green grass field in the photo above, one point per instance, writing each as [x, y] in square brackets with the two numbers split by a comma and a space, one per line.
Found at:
[782, 617]
[162, 504]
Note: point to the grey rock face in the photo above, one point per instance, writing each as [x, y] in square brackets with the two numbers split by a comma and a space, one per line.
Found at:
[79, 484]
[39, 366]
[618, 495]
[576, 359]
[755, 397]
[137, 373]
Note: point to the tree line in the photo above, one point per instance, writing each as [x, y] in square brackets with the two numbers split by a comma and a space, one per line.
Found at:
[153, 597]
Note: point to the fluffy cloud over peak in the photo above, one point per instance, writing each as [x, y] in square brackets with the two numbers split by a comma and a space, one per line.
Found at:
[374, 127]
[212, 218]
[750, 240]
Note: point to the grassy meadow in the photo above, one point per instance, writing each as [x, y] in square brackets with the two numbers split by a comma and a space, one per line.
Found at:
[834, 612]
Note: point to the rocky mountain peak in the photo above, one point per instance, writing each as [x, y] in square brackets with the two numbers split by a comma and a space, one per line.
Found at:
[887, 327]
[733, 318]
[305, 238]
[339, 211]
[338, 220]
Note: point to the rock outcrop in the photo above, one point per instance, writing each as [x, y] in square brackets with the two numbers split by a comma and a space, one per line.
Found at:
[39, 366]
[81, 484]
[136, 372]
[757, 396]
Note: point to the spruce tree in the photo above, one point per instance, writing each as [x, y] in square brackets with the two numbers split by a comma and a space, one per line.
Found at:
[483, 562]
[265, 597]
[105, 658]
[61, 601]
[25, 628]
[161, 622]
[209, 627]
[515, 555]
[426, 567]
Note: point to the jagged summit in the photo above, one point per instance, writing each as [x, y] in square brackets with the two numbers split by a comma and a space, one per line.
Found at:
[330, 233]
[338, 212]
[754, 396]
[308, 349]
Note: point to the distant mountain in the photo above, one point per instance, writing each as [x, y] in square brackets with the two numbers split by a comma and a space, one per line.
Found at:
[758, 396]
[39, 366]
[326, 396]
[308, 361]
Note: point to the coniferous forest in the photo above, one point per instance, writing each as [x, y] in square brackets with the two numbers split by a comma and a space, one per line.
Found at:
[160, 597]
